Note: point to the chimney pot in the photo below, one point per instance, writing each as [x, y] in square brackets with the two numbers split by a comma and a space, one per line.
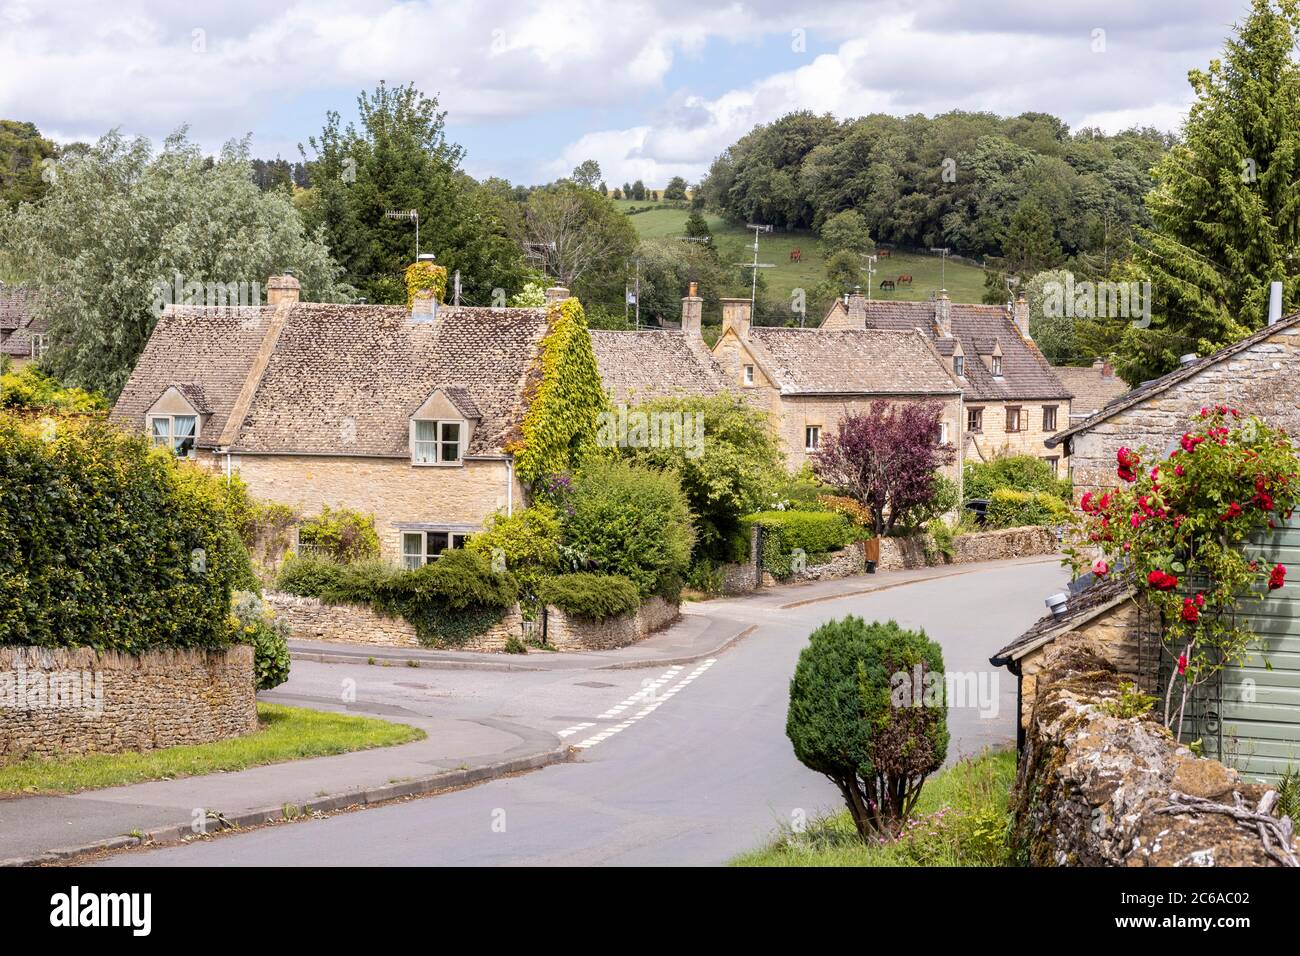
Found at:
[556, 293]
[857, 308]
[736, 314]
[692, 311]
[283, 289]
[1188, 359]
[1020, 314]
[1274, 302]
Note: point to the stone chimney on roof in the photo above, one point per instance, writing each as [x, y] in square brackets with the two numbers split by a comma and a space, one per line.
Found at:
[857, 307]
[692, 310]
[424, 306]
[943, 315]
[284, 289]
[1020, 315]
[556, 293]
[736, 314]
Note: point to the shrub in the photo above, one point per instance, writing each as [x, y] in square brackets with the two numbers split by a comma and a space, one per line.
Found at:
[631, 521]
[594, 596]
[1016, 509]
[856, 717]
[256, 625]
[945, 498]
[813, 532]
[107, 543]
[1017, 472]
[528, 541]
[32, 390]
[341, 535]
[264, 526]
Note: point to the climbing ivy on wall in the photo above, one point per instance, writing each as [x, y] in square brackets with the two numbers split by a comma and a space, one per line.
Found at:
[425, 275]
[559, 428]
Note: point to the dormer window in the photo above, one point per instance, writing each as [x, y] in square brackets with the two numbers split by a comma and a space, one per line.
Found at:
[437, 442]
[177, 432]
[959, 365]
[997, 366]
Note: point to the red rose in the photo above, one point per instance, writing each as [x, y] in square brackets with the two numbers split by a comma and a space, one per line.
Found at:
[1276, 577]
[1085, 503]
[1182, 664]
[1190, 611]
[1100, 567]
[1234, 509]
[1162, 581]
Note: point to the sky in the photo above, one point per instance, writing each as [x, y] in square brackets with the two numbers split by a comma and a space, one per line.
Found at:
[649, 90]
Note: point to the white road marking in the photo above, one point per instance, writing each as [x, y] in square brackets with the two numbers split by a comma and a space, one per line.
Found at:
[647, 693]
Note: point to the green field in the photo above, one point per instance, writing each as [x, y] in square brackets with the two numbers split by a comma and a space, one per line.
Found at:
[965, 283]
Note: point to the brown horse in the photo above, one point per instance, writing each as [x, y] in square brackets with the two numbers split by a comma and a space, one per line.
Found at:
[905, 279]
[883, 253]
[796, 255]
[886, 285]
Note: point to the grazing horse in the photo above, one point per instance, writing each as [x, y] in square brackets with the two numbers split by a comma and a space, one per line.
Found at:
[883, 253]
[905, 279]
[796, 255]
[886, 285]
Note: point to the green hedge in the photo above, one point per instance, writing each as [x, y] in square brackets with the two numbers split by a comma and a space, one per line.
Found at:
[1017, 509]
[813, 532]
[1017, 472]
[107, 543]
[594, 596]
[340, 534]
[447, 601]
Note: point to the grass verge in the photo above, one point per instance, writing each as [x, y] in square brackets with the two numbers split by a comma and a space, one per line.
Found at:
[285, 733]
[960, 820]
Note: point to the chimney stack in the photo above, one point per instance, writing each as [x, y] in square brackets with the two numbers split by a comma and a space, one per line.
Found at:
[284, 289]
[424, 306]
[735, 314]
[1274, 302]
[692, 310]
[943, 315]
[556, 293]
[857, 306]
[1020, 314]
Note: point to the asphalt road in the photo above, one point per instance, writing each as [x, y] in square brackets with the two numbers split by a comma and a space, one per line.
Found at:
[705, 775]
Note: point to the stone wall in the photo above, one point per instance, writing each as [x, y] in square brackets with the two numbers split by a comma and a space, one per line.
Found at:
[918, 551]
[1093, 789]
[1257, 381]
[64, 702]
[312, 620]
[570, 633]
[845, 563]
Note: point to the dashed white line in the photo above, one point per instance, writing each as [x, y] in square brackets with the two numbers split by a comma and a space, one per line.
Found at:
[647, 693]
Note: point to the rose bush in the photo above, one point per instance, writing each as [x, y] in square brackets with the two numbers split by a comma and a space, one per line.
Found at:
[1176, 527]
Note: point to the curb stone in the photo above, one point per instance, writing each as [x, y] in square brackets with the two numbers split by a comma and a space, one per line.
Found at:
[446, 780]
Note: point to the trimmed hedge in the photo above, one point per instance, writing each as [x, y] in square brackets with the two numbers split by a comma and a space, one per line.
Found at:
[1018, 472]
[447, 601]
[107, 543]
[1017, 509]
[813, 532]
[593, 596]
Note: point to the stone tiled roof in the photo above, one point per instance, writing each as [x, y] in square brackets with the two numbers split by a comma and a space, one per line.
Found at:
[1158, 385]
[339, 379]
[17, 321]
[1082, 607]
[1026, 374]
[660, 363]
[851, 362]
[1093, 389]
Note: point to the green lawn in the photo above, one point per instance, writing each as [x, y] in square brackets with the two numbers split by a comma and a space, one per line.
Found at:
[960, 820]
[965, 283]
[286, 733]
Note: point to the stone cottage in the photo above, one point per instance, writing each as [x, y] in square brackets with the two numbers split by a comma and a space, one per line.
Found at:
[23, 338]
[401, 413]
[1012, 397]
[1094, 387]
[1256, 375]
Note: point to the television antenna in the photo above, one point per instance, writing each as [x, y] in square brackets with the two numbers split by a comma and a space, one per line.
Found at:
[755, 265]
[407, 215]
[942, 252]
[871, 271]
[1012, 281]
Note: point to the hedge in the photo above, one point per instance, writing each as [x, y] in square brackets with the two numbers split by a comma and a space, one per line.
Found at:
[813, 532]
[108, 543]
[447, 601]
[1017, 472]
[594, 596]
[1017, 509]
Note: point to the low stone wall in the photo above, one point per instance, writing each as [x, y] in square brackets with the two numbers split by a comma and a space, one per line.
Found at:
[844, 563]
[64, 702]
[740, 578]
[310, 619]
[919, 551]
[1097, 790]
[566, 632]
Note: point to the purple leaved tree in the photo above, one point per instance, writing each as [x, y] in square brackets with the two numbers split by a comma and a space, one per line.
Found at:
[886, 459]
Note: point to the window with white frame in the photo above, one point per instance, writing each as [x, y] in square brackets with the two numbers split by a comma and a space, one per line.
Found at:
[943, 433]
[437, 442]
[749, 375]
[812, 436]
[177, 432]
[959, 365]
[40, 345]
[421, 547]
[997, 365]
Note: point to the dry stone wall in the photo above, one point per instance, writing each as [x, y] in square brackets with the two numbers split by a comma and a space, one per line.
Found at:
[567, 632]
[919, 551]
[310, 619]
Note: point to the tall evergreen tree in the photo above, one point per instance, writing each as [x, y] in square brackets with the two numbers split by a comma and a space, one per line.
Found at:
[1226, 207]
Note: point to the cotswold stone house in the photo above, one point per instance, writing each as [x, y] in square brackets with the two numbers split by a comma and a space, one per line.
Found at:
[1013, 399]
[403, 414]
[1256, 375]
[23, 338]
[1094, 387]
[810, 379]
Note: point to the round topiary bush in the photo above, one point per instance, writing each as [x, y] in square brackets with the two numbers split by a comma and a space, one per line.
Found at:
[867, 709]
[108, 543]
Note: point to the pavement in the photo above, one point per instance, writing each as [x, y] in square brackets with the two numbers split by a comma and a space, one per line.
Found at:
[672, 751]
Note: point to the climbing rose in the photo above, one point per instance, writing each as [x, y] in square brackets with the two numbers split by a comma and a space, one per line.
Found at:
[1277, 577]
[1234, 509]
[1190, 441]
[1162, 581]
[1100, 567]
[1190, 611]
[1182, 664]
[1085, 503]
